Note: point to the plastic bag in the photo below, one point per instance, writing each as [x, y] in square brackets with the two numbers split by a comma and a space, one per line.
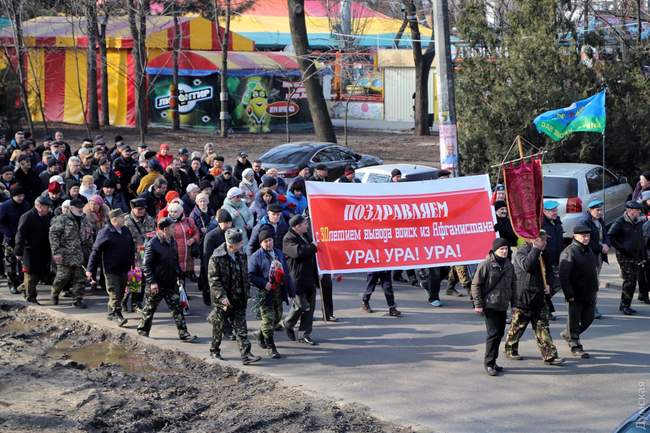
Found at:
[185, 303]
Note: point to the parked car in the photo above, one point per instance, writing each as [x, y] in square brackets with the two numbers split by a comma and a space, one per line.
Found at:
[410, 173]
[290, 158]
[637, 423]
[574, 185]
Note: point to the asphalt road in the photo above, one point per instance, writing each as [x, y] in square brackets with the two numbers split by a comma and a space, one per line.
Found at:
[425, 368]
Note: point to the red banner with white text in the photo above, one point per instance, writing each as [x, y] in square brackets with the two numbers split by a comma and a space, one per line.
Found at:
[405, 225]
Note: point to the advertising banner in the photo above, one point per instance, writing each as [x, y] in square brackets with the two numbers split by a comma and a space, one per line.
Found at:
[381, 226]
[257, 103]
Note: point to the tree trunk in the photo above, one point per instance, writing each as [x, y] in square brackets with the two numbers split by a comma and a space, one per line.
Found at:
[317, 106]
[176, 121]
[137, 12]
[422, 63]
[91, 73]
[17, 25]
[223, 96]
[102, 53]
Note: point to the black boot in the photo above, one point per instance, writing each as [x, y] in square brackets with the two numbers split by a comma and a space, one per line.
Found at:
[273, 351]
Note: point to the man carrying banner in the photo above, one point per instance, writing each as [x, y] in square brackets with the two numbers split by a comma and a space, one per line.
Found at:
[384, 278]
[552, 225]
[529, 306]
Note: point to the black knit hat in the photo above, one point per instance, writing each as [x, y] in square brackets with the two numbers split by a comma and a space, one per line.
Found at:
[498, 243]
[265, 233]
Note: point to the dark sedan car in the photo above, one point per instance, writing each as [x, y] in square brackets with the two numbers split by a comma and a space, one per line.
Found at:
[290, 158]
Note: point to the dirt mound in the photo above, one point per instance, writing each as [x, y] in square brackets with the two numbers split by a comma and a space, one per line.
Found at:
[66, 376]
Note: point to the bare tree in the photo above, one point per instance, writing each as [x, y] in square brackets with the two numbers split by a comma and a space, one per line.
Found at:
[103, 23]
[14, 10]
[176, 121]
[318, 108]
[422, 62]
[92, 31]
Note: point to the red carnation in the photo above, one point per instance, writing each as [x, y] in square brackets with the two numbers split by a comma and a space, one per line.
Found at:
[282, 198]
[118, 173]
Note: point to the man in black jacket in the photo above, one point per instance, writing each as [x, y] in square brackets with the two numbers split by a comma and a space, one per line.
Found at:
[301, 258]
[115, 250]
[27, 178]
[222, 184]
[242, 164]
[530, 306]
[598, 238]
[579, 277]
[33, 246]
[161, 271]
[552, 225]
[10, 213]
[626, 235]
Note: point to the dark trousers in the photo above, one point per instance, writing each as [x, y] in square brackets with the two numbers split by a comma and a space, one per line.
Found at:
[495, 323]
[644, 282]
[553, 280]
[630, 270]
[12, 267]
[385, 278]
[580, 316]
[302, 309]
[429, 280]
[30, 282]
[326, 295]
[410, 274]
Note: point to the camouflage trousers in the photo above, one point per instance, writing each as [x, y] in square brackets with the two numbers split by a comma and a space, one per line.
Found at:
[69, 276]
[173, 301]
[271, 315]
[237, 318]
[12, 267]
[459, 274]
[630, 273]
[539, 321]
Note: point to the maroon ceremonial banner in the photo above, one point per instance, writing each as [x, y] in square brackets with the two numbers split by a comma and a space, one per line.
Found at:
[525, 196]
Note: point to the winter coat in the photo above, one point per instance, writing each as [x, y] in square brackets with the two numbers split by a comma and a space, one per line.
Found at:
[33, 243]
[239, 169]
[188, 205]
[258, 208]
[114, 250]
[100, 178]
[164, 160]
[627, 237]
[242, 218]
[554, 242]
[117, 201]
[221, 187]
[530, 285]
[176, 180]
[259, 265]
[184, 230]
[297, 204]
[494, 285]
[88, 191]
[71, 238]
[579, 273]
[595, 241]
[124, 169]
[10, 213]
[30, 183]
[280, 230]
[228, 278]
[250, 191]
[154, 204]
[140, 230]
[504, 227]
[301, 258]
[213, 239]
[146, 181]
[161, 262]
[201, 220]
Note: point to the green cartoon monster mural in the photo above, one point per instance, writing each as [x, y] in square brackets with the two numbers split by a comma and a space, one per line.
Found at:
[252, 108]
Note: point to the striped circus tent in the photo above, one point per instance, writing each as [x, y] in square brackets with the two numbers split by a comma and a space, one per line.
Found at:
[203, 63]
[267, 24]
[56, 62]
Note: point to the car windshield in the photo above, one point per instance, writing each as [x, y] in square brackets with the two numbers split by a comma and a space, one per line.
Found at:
[560, 187]
[285, 155]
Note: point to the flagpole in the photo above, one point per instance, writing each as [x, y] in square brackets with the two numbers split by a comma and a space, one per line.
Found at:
[604, 208]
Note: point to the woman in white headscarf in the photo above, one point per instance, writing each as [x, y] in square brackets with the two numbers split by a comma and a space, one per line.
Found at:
[248, 186]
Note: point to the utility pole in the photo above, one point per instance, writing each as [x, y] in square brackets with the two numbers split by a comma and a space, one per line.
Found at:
[446, 92]
[638, 20]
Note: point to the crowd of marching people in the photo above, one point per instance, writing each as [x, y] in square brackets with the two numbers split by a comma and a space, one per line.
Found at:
[140, 224]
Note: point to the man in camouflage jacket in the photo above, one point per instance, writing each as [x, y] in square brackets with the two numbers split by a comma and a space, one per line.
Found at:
[229, 288]
[70, 246]
[142, 226]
